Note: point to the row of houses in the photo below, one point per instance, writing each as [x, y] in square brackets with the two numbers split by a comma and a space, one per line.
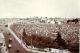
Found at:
[3, 48]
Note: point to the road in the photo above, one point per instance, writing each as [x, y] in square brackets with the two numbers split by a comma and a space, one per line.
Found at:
[15, 43]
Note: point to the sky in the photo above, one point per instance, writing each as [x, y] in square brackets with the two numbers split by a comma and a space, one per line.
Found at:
[41, 8]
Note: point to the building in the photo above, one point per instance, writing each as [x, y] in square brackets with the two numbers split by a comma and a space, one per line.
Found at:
[3, 48]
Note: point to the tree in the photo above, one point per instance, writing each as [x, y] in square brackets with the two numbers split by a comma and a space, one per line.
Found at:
[24, 33]
[61, 42]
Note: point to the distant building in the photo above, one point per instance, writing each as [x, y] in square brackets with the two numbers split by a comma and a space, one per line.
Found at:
[43, 20]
